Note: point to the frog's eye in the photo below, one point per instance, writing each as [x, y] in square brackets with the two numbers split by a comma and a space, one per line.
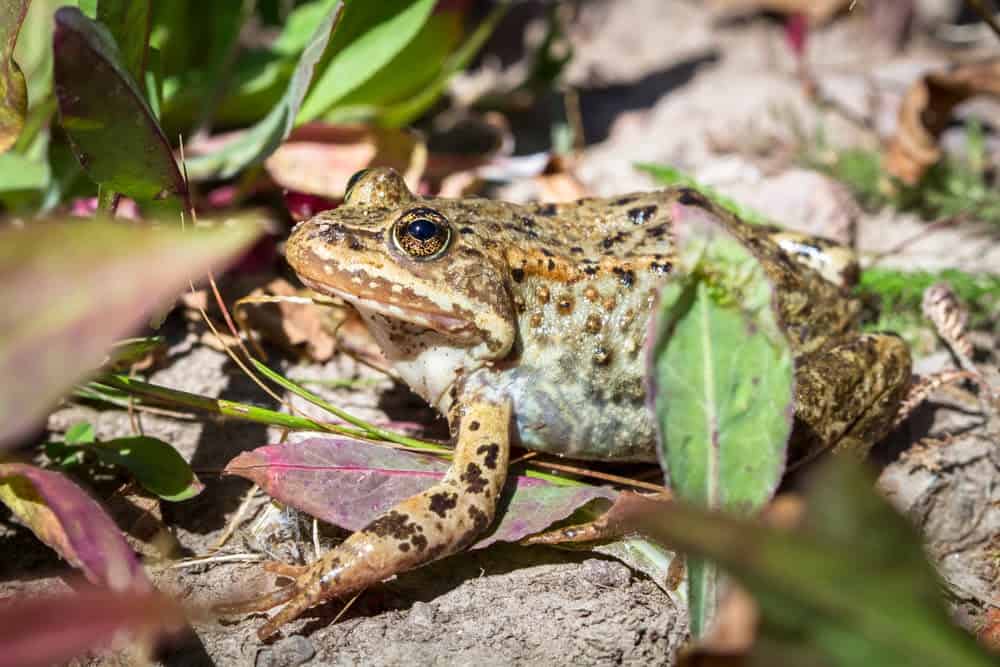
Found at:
[422, 234]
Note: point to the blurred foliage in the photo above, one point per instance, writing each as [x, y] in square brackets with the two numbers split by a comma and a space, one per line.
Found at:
[228, 65]
[959, 186]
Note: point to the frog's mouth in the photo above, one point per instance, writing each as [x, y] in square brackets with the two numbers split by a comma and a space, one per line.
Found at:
[404, 306]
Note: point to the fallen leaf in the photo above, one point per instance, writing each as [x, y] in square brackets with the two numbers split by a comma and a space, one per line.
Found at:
[926, 111]
[113, 132]
[70, 289]
[349, 483]
[155, 465]
[817, 11]
[50, 630]
[60, 514]
[289, 324]
[13, 88]
[320, 158]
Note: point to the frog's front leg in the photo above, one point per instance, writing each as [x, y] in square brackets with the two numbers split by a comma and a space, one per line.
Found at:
[440, 521]
[847, 393]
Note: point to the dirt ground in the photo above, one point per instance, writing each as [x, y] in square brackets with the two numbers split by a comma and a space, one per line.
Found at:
[705, 95]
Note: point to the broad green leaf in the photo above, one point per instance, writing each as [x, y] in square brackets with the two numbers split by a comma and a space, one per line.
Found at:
[129, 24]
[412, 71]
[60, 514]
[13, 87]
[112, 129]
[299, 26]
[409, 110]
[260, 140]
[20, 172]
[720, 382]
[368, 37]
[71, 289]
[850, 587]
[155, 464]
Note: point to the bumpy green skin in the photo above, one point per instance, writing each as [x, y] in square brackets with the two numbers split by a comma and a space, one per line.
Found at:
[526, 325]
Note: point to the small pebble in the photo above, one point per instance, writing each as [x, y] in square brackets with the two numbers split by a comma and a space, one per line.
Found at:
[288, 652]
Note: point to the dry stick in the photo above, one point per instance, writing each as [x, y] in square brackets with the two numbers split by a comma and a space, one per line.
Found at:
[608, 477]
[986, 15]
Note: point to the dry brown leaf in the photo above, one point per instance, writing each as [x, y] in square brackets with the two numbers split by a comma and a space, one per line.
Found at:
[319, 158]
[926, 112]
[989, 634]
[816, 11]
[557, 183]
[291, 325]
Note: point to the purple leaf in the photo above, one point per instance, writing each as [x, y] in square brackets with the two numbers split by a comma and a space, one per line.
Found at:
[349, 483]
[64, 517]
[111, 128]
[36, 632]
[70, 289]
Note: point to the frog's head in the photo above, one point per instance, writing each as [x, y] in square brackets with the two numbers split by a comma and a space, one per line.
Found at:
[402, 261]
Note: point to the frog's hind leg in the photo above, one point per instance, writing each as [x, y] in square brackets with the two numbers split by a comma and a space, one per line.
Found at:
[847, 394]
[440, 521]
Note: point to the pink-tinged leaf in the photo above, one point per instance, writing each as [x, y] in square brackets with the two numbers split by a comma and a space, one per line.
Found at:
[64, 517]
[13, 89]
[69, 290]
[37, 632]
[349, 483]
[320, 158]
[111, 128]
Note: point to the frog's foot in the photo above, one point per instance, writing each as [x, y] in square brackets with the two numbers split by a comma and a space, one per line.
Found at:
[847, 394]
[605, 527]
[430, 525]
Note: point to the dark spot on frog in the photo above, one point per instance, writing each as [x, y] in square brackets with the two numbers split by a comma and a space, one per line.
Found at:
[473, 477]
[608, 242]
[565, 305]
[625, 201]
[642, 214]
[691, 197]
[552, 265]
[479, 519]
[419, 542]
[626, 276]
[547, 210]
[547, 252]
[442, 502]
[527, 222]
[660, 267]
[492, 452]
[353, 243]
[466, 230]
[601, 355]
[404, 546]
[658, 230]
[473, 425]
[517, 275]
[590, 270]
[576, 250]
[392, 524]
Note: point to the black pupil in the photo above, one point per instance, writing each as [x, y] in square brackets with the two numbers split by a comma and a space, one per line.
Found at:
[422, 229]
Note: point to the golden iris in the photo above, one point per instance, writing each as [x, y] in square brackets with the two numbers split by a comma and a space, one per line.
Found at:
[422, 233]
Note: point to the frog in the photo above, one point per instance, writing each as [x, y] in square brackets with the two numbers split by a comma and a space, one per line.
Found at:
[525, 325]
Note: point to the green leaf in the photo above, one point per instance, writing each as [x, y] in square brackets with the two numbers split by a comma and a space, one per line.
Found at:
[71, 289]
[20, 172]
[851, 587]
[721, 382]
[299, 27]
[113, 131]
[129, 24]
[13, 87]
[406, 112]
[155, 464]
[368, 37]
[80, 433]
[260, 140]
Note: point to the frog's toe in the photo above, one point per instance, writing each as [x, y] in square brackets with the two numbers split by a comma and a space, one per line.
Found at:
[259, 603]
